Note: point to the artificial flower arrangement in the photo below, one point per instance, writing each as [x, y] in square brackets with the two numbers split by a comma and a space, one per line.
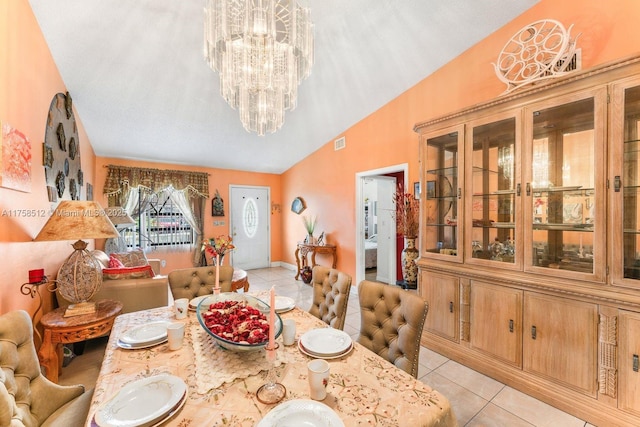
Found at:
[218, 245]
[407, 214]
[309, 223]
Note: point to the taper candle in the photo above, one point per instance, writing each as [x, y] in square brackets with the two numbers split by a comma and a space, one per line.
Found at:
[216, 290]
[272, 320]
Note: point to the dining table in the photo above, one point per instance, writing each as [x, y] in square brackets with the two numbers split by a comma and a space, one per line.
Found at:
[363, 389]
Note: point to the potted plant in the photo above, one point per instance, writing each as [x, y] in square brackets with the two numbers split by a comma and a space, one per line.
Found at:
[310, 225]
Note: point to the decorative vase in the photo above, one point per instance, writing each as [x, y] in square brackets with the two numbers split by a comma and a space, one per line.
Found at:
[409, 267]
[310, 239]
[213, 260]
[306, 274]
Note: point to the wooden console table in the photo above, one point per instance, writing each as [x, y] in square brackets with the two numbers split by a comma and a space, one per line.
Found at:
[304, 249]
[60, 330]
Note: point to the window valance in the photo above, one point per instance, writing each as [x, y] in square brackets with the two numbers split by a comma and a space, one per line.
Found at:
[121, 178]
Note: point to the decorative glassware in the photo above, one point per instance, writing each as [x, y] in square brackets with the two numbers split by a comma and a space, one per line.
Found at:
[271, 392]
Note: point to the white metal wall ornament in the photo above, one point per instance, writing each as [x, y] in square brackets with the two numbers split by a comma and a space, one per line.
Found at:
[540, 50]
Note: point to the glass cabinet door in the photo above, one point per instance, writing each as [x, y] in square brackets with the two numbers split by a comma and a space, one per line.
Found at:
[494, 191]
[442, 193]
[625, 183]
[564, 187]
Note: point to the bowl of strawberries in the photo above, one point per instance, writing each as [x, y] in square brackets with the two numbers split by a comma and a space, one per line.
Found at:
[237, 322]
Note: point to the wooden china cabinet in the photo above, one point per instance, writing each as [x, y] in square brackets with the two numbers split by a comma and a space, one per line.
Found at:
[530, 240]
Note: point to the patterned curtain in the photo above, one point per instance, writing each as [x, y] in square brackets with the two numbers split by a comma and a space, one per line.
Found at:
[121, 178]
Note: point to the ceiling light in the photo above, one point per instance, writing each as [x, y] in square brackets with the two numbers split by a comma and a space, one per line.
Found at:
[262, 49]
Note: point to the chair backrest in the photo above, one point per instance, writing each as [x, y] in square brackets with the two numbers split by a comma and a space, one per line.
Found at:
[391, 323]
[330, 295]
[196, 281]
[27, 398]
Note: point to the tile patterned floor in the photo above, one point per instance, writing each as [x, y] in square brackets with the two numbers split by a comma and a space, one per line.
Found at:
[477, 399]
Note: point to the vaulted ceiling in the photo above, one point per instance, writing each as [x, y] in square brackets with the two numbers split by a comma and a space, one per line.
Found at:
[141, 87]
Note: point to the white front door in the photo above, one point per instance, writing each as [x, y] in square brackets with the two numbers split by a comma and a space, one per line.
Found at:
[250, 226]
[386, 270]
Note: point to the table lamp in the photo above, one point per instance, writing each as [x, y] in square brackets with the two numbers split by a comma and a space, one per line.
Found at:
[121, 220]
[80, 276]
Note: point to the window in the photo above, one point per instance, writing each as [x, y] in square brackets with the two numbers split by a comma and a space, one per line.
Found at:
[160, 223]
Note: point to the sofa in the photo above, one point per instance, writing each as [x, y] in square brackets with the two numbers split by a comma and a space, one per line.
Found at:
[140, 289]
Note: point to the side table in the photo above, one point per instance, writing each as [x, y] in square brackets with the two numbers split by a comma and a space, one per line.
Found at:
[304, 249]
[239, 280]
[59, 330]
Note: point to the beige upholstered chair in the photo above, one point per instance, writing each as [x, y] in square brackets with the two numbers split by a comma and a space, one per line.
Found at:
[194, 282]
[391, 323]
[330, 295]
[27, 398]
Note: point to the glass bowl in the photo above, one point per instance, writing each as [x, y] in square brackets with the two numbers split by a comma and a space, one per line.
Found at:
[263, 307]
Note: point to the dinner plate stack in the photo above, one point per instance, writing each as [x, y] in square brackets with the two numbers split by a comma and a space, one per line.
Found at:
[325, 343]
[145, 402]
[284, 304]
[144, 336]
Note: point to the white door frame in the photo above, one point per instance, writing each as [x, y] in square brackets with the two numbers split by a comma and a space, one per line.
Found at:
[359, 204]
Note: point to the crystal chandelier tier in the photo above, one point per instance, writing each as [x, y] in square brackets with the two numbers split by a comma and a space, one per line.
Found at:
[262, 49]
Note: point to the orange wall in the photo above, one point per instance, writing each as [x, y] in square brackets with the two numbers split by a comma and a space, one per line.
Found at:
[219, 179]
[326, 179]
[29, 80]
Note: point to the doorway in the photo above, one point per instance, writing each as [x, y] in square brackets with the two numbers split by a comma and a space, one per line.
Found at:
[369, 221]
[249, 226]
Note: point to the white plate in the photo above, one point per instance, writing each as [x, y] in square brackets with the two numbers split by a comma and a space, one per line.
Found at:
[301, 413]
[128, 346]
[322, 356]
[193, 304]
[146, 333]
[284, 304]
[326, 341]
[143, 402]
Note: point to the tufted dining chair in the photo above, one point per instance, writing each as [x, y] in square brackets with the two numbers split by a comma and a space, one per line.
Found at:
[391, 323]
[196, 281]
[28, 398]
[330, 295]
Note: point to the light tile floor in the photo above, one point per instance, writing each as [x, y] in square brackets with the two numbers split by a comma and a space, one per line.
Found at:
[477, 399]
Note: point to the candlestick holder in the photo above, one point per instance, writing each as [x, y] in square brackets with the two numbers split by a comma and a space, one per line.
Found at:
[271, 392]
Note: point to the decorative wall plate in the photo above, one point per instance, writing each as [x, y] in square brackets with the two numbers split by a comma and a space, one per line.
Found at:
[298, 205]
[61, 149]
[80, 178]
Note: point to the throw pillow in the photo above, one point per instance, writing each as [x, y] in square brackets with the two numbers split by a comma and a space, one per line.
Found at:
[115, 262]
[139, 272]
[134, 258]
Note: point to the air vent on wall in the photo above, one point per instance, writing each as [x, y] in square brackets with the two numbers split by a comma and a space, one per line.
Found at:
[574, 63]
[339, 144]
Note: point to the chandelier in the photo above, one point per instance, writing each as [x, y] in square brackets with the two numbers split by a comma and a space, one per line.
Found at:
[262, 49]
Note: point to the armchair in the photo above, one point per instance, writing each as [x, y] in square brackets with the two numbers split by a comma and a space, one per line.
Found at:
[27, 398]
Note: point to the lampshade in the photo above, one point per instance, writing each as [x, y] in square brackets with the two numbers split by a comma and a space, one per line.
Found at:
[119, 217]
[80, 276]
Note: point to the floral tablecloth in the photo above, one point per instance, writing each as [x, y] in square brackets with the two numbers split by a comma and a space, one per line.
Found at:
[363, 389]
